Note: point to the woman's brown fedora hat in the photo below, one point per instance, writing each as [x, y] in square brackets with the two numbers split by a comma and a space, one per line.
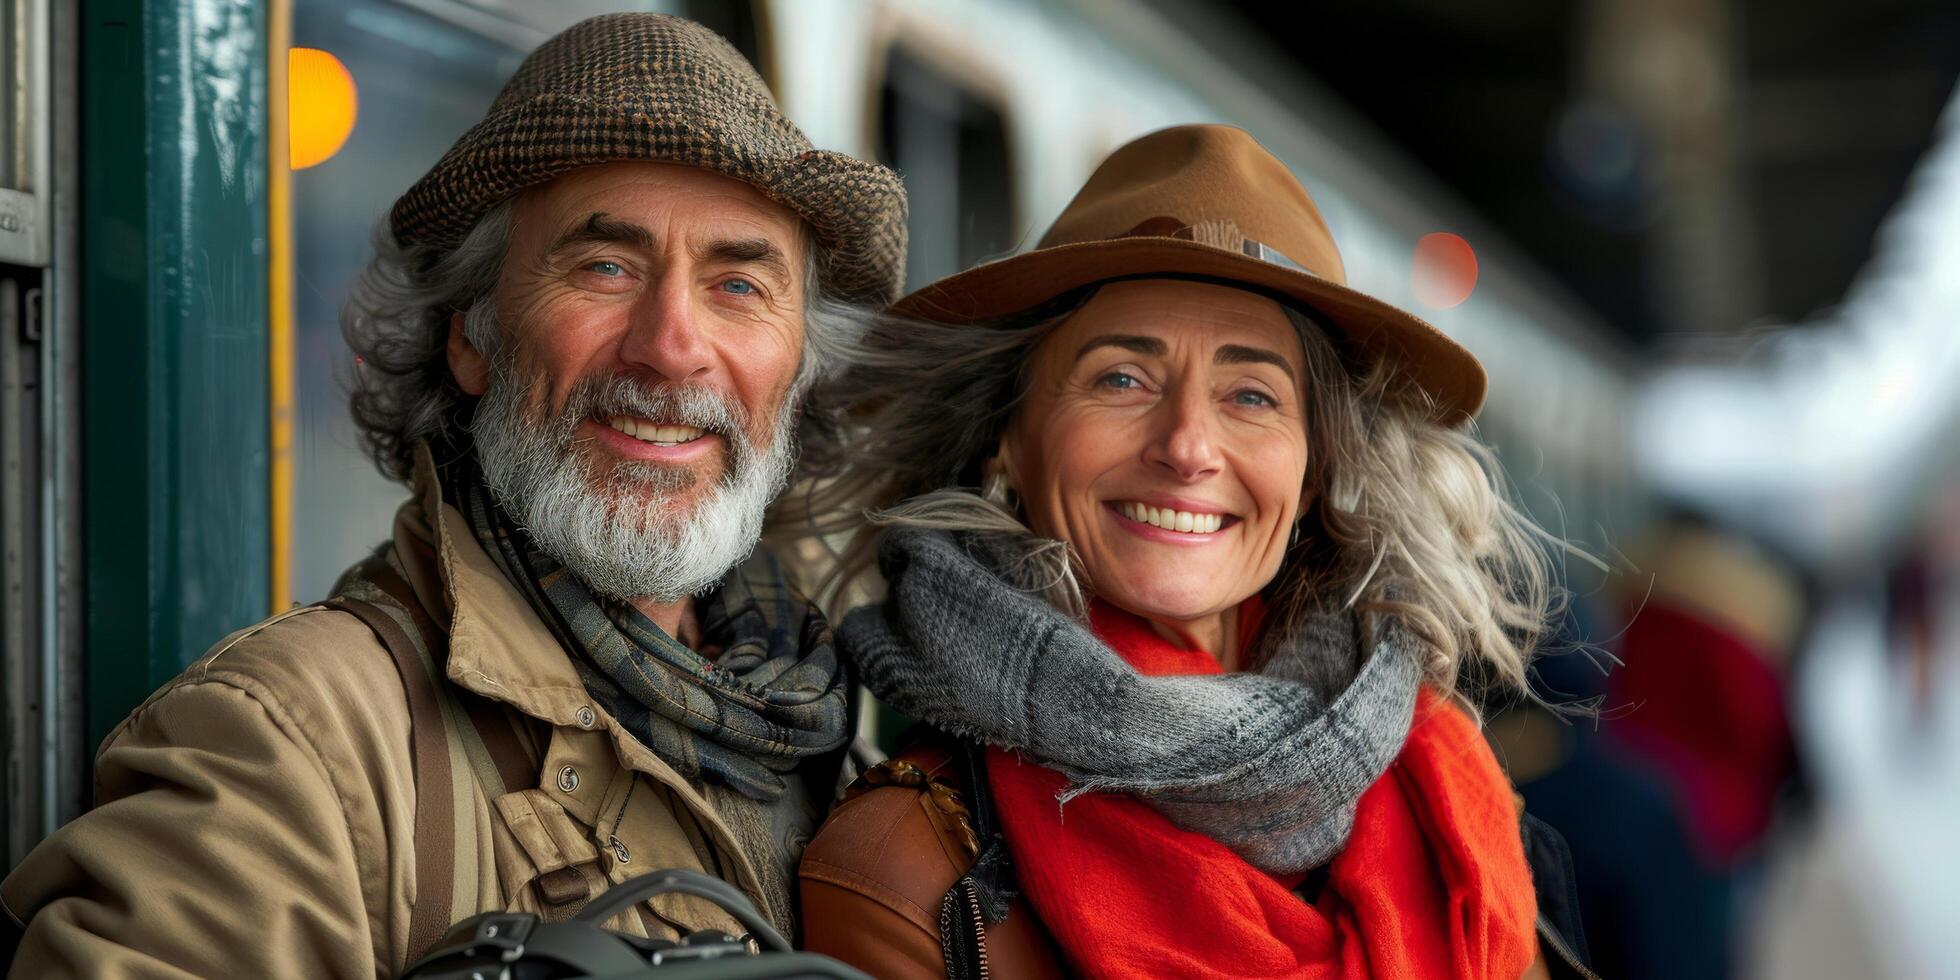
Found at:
[1209, 202]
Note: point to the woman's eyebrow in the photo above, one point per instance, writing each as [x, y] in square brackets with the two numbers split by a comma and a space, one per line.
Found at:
[1236, 354]
[1147, 346]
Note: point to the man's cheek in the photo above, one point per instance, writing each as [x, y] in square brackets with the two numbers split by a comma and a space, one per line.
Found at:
[545, 401]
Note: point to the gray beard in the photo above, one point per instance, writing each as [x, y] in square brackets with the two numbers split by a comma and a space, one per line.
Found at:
[620, 534]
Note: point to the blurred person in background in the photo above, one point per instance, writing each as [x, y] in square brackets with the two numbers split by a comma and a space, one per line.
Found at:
[1689, 761]
[1189, 552]
[1705, 659]
[586, 338]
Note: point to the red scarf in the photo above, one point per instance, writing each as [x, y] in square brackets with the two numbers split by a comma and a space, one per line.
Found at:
[1432, 883]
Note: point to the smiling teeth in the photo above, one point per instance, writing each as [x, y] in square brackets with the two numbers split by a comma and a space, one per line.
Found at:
[1172, 520]
[659, 435]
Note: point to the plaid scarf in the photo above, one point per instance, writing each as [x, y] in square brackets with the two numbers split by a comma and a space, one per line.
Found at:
[765, 694]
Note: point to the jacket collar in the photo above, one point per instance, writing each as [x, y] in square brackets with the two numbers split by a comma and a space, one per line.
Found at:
[500, 649]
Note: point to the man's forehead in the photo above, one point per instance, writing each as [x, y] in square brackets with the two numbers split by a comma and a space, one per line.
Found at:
[662, 198]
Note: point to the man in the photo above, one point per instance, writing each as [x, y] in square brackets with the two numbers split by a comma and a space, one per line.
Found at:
[583, 343]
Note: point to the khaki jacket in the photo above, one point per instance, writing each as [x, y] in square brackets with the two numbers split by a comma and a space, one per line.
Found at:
[256, 816]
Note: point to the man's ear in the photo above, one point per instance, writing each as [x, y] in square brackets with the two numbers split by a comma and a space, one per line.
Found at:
[471, 368]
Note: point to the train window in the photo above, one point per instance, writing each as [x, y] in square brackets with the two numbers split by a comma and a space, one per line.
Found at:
[12, 95]
[951, 145]
[23, 135]
[419, 82]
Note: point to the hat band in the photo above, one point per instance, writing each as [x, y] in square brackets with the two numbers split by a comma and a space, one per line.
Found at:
[1266, 253]
[1217, 234]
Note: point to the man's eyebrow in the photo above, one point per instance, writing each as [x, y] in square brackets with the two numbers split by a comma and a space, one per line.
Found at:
[1236, 354]
[1148, 346]
[603, 229]
[752, 251]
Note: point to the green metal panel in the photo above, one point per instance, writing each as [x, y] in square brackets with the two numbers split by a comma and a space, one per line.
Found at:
[174, 337]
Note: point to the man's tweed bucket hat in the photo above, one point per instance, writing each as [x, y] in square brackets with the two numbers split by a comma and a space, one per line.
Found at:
[650, 87]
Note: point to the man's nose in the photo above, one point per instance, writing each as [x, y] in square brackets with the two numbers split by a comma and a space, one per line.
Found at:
[665, 334]
[1185, 439]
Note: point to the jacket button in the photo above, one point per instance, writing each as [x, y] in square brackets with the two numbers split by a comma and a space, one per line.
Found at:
[586, 718]
[568, 779]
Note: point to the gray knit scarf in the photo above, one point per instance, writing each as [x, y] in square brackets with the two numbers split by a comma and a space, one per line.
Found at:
[1270, 764]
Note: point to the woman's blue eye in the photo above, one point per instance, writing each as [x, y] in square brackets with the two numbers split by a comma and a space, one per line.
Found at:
[738, 287]
[1119, 380]
[607, 267]
[1253, 399]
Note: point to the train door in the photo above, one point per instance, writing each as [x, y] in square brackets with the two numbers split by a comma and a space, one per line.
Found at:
[39, 358]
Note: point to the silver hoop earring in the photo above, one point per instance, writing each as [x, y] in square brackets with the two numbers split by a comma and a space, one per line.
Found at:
[1293, 540]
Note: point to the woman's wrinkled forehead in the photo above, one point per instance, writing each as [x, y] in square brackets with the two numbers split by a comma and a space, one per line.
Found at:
[1146, 313]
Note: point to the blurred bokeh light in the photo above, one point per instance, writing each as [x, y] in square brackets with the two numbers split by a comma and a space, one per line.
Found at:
[1445, 270]
[322, 103]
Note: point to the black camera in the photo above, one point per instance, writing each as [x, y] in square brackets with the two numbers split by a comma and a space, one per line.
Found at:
[521, 946]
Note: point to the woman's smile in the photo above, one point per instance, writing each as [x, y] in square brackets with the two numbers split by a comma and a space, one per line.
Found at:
[1163, 438]
[1174, 522]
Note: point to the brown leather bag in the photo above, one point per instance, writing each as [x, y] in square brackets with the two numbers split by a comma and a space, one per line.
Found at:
[906, 880]
[909, 879]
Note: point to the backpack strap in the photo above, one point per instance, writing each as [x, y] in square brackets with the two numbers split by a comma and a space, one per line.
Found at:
[489, 746]
[435, 826]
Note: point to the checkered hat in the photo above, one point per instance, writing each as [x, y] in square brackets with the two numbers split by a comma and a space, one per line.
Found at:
[650, 87]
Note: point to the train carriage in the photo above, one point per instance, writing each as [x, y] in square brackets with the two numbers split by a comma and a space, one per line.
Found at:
[188, 190]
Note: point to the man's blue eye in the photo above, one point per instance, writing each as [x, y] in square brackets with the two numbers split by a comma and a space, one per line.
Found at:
[606, 267]
[739, 287]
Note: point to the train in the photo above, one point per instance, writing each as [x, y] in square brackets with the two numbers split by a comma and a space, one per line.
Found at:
[188, 189]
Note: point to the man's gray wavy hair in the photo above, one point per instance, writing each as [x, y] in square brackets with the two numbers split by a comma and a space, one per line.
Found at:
[396, 320]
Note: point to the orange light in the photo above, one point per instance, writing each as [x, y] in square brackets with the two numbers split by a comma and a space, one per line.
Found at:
[321, 104]
[1445, 270]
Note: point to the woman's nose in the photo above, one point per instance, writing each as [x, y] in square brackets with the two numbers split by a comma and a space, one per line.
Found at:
[1185, 442]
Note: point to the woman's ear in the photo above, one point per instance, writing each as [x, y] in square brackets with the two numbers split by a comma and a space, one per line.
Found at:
[471, 368]
[1001, 464]
[997, 483]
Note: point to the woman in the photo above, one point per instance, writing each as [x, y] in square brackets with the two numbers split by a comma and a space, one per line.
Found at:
[1193, 647]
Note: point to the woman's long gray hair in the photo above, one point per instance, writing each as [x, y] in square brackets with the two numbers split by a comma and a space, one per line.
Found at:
[1409, 518]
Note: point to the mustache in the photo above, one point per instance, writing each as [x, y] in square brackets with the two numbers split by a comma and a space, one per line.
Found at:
[704, 408]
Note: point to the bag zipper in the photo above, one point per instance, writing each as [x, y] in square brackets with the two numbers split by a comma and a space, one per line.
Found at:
[963, 962]
[979, 925]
